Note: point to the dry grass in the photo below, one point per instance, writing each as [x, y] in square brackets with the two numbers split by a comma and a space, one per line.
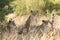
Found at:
[36, 33]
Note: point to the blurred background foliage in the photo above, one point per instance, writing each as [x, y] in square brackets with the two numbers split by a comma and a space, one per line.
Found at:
[23, 7]
[5, 8]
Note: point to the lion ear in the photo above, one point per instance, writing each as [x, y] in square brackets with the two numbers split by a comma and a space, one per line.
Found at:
[42, 20]
[37, 11]
[31, 11]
